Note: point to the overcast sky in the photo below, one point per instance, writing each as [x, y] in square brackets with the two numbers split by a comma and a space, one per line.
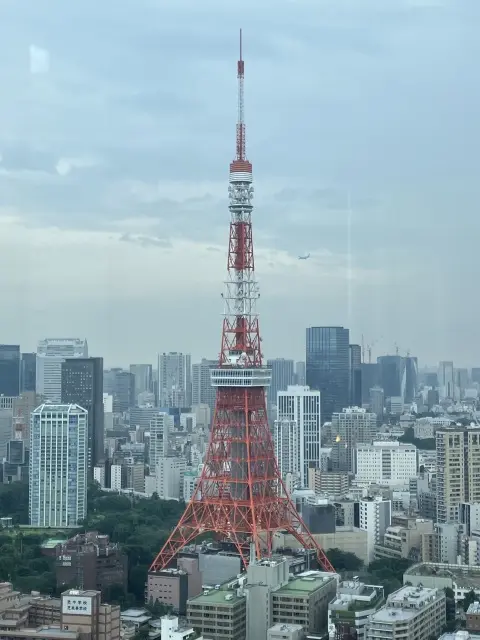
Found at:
[117, 125]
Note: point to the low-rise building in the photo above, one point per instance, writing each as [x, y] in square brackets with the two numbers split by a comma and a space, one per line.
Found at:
[305, 600]
[354, 604]
[410, 612]
[91, 560]
[285, 632]
[404, 542]
[461, 578]
[219, 613]
[173, 629]
[174, 586]
[76, 615]
[473, 617]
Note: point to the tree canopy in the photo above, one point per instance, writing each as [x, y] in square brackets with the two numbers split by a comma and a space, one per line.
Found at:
[343, 560]
[140, 525]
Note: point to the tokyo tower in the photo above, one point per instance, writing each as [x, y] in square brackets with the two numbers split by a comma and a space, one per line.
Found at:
[240, 496]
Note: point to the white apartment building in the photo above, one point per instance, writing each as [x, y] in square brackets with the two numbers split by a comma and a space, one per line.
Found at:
[302, 405]
[161, 426]
[384, 462]
[190, 481]
[375, 517]
[116, 476]
[172, 629]
[51, 352]
[99, 475]
[58, 466]
[286, 438]
[349, 427]
[458, 458]
[169, 473]
[410, 612]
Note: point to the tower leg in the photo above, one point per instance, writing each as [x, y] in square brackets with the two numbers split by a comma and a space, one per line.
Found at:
[298, 529]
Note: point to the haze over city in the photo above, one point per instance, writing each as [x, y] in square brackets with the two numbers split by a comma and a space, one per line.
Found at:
[114, 155]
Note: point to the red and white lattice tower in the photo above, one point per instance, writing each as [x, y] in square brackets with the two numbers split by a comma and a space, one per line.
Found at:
[240, 496]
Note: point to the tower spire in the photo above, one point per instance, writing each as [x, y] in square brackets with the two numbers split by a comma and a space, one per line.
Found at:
[241, 150]
[240, 495]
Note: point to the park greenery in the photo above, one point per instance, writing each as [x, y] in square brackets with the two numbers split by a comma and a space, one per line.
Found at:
[139, 525]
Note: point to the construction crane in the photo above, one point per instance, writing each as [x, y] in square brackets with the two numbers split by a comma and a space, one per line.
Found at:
[369, 349]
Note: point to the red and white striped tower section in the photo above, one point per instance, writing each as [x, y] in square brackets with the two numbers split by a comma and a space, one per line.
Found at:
[240, 496]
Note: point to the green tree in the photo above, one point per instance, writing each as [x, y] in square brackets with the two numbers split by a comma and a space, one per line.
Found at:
[470, 597]
[343, 560]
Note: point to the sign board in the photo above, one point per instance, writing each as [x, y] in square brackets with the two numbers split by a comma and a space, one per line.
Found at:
[77, 605]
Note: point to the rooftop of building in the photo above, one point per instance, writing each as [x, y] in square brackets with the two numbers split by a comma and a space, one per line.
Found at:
[307, 582]
[51, 543]
[353, 595]
[460, 635]
[46, 631]
[463, 575]
[474, 608]
[135, 614]
[287, 627]
[404, 604]
[87, 593]
[220, 595]
[87, 540]
[60, 408]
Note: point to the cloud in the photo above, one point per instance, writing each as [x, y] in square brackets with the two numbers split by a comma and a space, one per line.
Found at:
[120, 130]
[146, 241]
[39, 60]
[66, 165]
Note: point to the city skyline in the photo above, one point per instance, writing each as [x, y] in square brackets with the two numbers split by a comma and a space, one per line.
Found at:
[100, 141]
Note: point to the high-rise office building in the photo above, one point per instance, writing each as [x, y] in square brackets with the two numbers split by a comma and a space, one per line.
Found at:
[9, 370]
[161, 426]
[389, 463]
[202, 390]
[58, 466]
[302, 405]
[286, 437]
[174, 380]
[475, 374]
[50, 355]
[300, 374]
[446, 380]
[283, 376]
[350, 427]
[355, 375]
[370, 377]
[120, 384]
[411, 378]
[328, 367]
[461, 383]
[375, 517]
[82, 384]
[28, 372]
[377, 403]
[391, 375]
[143, 378]
[458, 459]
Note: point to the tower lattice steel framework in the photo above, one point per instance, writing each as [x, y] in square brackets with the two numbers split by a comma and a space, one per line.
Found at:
[240, 495]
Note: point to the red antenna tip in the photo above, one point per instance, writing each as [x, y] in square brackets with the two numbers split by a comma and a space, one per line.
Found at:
[240, 44]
